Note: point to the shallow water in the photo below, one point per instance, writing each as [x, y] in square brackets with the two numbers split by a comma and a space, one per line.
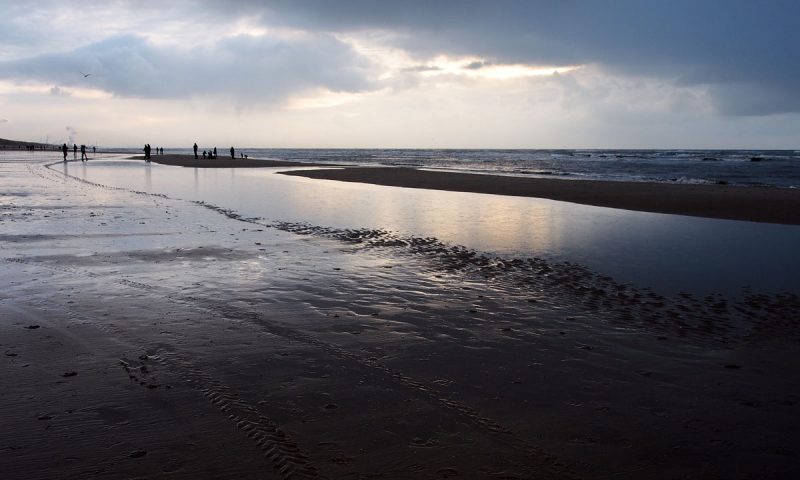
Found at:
[780, 168]
[669, 253]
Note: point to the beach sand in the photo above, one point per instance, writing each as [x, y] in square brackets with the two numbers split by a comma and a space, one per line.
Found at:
[151, 337]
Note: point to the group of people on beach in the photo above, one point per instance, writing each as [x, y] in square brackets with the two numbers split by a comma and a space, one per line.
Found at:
[209, 154]
[213, 153]
[84, 157]
[148, 149]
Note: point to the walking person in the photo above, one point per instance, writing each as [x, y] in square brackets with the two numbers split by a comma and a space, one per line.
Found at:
[215, 152]
[83, 153]
[74, 151]
[195, 150]
[233, 153]
[64, 150]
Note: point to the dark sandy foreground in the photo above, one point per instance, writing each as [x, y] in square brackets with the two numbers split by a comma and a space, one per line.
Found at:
[149, 337]
[756, 204]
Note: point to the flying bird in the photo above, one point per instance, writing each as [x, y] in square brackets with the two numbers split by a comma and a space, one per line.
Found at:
[85, 74]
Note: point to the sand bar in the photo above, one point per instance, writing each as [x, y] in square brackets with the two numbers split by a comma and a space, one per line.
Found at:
[757, 204]
[223, 162]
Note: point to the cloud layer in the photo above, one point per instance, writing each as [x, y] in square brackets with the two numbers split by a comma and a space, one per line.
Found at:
[418, 72]
[743, 50]
[247, 68]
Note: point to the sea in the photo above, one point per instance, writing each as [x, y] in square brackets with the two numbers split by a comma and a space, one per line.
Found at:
[775, 168]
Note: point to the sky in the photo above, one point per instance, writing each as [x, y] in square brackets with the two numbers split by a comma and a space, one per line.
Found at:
[402, 74]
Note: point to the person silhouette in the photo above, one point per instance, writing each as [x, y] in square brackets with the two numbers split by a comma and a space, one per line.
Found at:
[195, 151]
[94, 150]
[64, 150]
[215, 152]
[83, 153]
[233, 153]
[75, 151]
[204, 154]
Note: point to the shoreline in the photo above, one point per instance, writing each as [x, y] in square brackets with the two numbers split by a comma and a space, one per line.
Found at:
[726, 202]
[180, 160]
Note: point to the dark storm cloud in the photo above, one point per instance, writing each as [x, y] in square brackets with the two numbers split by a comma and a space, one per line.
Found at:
[477, 65]
[251, 69]
[736, 47]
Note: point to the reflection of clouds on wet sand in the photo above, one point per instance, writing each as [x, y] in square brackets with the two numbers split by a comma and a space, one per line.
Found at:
[644, 248]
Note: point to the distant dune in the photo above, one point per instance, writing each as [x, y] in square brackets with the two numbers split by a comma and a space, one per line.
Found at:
[6, 143]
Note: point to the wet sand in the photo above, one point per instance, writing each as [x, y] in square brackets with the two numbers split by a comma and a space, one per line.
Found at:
[221, 162]
[151, 337]
[757, 204]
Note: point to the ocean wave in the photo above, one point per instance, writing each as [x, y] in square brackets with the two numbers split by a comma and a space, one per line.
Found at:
[542, 172]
